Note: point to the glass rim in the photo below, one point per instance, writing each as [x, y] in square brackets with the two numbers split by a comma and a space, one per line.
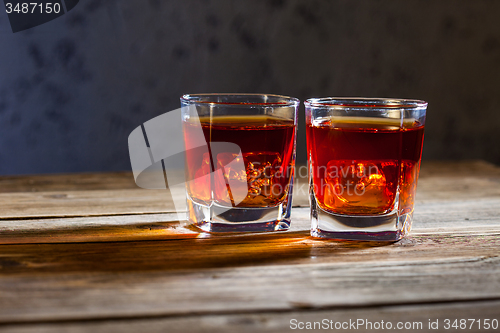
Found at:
[207, 98]
[365, 103]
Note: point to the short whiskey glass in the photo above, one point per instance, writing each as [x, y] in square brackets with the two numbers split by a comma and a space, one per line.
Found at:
[240, 160]
[363, 159]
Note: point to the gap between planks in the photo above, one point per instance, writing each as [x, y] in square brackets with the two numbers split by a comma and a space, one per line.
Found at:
[485, 308]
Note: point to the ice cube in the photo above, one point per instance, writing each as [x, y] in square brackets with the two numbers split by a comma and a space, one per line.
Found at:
[408, 185]
[249, 178]
[199, 187]
[261, 173]
[230, 179]
[205, 164]
[233, 166]
[361, 185]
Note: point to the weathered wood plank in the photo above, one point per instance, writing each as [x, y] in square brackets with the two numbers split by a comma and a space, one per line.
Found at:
[474, 217]
[68, 182]
[84, 203]
[417, 318]
[116, 194]
[459, 168]
[451, 256]
[94, 229]
[270, 272]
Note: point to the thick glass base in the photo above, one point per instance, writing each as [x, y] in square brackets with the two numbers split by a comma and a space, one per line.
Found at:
[390, 227]
[217, 218]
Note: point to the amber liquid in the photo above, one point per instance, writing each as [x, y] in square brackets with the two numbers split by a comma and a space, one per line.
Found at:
[267, 146]
[357, 164]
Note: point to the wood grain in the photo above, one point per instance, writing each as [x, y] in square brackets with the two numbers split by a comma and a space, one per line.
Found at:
[78, 258]
[275, 322]
[271, 272]
[68, 182]
[474, 217]
[84, 203]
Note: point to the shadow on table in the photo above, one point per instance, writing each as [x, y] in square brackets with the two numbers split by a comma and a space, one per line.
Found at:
[164, 246]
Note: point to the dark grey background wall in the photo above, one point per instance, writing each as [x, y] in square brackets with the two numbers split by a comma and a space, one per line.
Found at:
[73, 89]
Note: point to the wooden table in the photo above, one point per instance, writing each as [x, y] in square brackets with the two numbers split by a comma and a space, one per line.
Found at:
[92, 252]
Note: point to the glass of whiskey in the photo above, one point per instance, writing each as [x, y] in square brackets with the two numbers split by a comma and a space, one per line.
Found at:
[240, 161]
[363, 159]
